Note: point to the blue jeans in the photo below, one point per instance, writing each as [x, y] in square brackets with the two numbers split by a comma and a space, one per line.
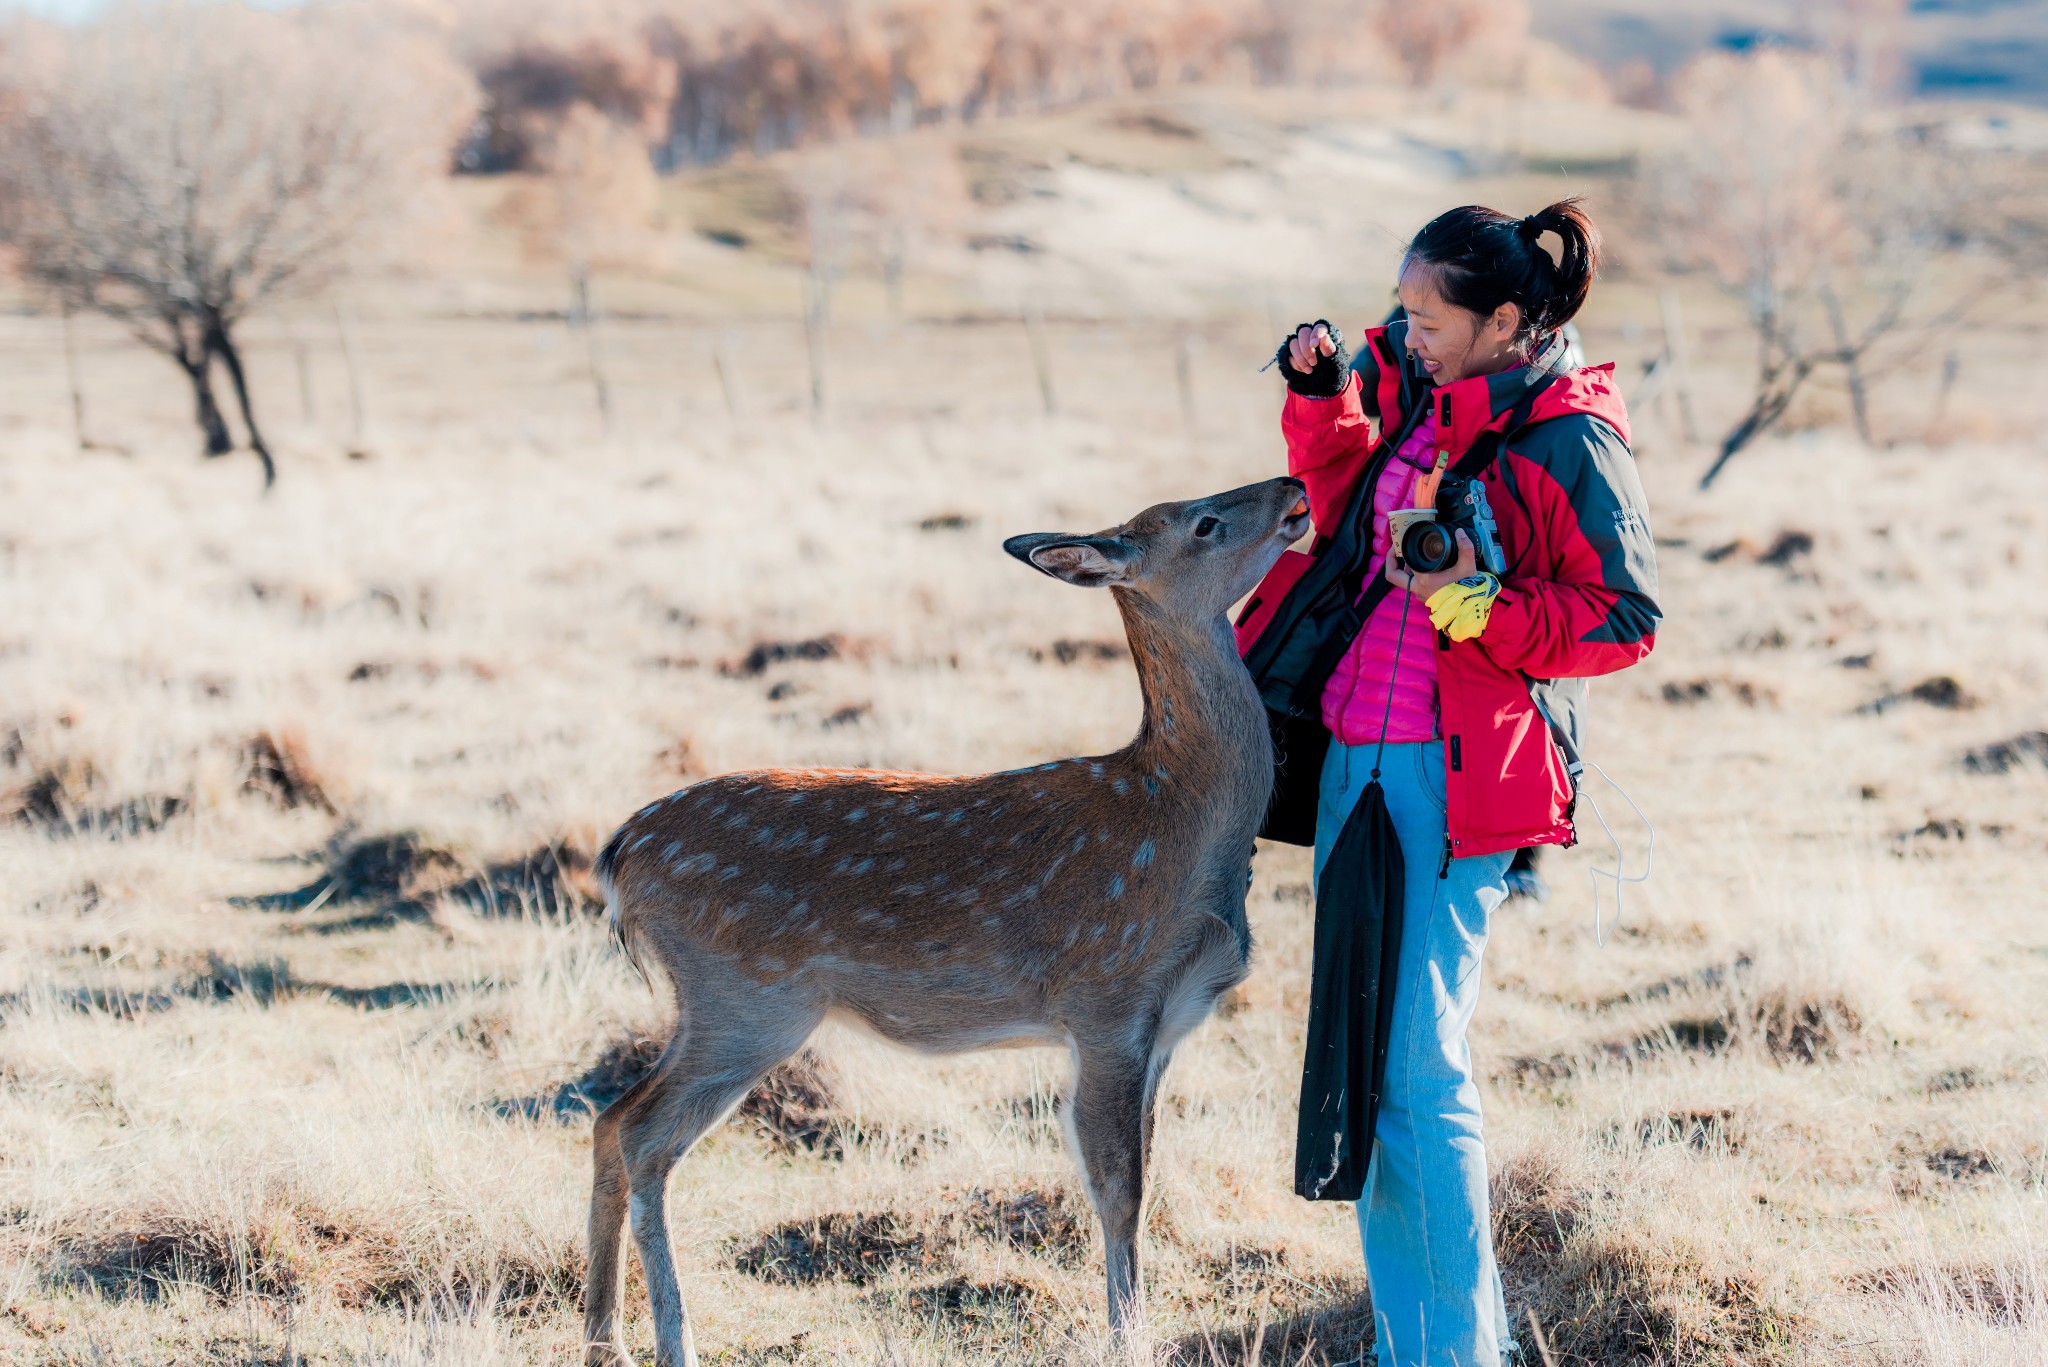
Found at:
[1424, 1221]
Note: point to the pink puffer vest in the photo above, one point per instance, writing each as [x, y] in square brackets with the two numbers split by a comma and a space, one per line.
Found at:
[1355, 699]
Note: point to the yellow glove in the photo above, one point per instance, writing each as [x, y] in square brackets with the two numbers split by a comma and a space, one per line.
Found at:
[1460, 609]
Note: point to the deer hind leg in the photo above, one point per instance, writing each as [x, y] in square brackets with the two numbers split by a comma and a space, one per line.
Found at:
[1111, 1128]
[605, 1286]
[728, 1045]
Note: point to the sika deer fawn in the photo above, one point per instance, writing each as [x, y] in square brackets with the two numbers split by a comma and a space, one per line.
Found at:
[1095, 903]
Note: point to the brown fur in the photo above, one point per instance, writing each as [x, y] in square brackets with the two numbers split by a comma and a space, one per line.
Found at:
[1096, 903]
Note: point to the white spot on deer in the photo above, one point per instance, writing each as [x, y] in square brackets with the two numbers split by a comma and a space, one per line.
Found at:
[828, 938]
[1038, 792]
[749, 792]
[898, 864]
[992, 923]
[641, 841]
[735, 821]
[764, 835]
[818, 845]
[1119, 786]
[953, 817]
[1073, 937]
[856, 814]
[1151, 786]
[1097, 932]
[1080, 842]
[890, 922]
[729, 872]
[1142, 857]
[863, 866]
[1128, 930]
[1102, 837]
[794, 797]
[648, 810]
[1095, 771]
[1116, 888]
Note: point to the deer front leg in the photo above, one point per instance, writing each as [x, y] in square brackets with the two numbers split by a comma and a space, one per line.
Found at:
[1111, 1126]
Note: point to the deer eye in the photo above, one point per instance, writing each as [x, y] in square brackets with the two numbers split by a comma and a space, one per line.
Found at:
[1206, 525]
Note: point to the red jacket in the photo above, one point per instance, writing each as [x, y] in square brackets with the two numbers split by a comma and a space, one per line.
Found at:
[1579, 595]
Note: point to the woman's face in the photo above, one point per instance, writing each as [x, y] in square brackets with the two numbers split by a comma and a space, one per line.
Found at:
[1452, 343]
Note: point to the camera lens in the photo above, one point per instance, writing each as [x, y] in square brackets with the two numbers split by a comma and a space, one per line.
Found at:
[1428, 547]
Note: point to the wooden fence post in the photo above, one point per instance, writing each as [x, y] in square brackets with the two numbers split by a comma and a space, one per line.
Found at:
[71, 376]
[359, 418]
[1041, 356]
[728, 374]
[1681, 368]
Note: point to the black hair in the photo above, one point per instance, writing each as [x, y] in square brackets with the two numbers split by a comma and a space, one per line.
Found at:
[1481, 258]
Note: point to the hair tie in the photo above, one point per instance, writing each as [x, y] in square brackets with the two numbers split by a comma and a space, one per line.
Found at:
[1529, 228]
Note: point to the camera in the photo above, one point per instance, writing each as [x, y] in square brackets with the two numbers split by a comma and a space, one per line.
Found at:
[1427, 538]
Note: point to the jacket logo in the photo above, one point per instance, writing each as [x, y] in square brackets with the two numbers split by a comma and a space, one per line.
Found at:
[1628, 520]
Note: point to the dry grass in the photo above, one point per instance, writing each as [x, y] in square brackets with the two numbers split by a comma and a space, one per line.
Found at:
[303, 1013]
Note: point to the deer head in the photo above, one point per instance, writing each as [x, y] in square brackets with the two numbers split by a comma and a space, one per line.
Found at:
[1191, 559]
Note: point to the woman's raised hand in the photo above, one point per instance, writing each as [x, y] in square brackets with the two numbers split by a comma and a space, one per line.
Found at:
[1310, 343]
[1313, 361]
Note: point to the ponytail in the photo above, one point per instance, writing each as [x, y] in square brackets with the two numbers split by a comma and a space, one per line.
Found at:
[1480, 259]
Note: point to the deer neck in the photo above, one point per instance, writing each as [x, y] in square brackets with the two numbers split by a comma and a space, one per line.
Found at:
[1202, 714]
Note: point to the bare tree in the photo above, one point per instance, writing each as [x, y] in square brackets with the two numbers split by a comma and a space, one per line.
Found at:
[1824, 213]
[177, 166]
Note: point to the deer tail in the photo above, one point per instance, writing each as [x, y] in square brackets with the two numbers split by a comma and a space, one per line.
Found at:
[607, 874]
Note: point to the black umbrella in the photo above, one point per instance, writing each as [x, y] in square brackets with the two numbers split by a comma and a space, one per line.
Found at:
[1350, 1004]
[1351, 989]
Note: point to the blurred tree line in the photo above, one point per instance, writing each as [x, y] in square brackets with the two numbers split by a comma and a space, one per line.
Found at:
[177, 164]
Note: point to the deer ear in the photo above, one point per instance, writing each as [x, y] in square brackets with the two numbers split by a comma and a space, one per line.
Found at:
[1089, 561]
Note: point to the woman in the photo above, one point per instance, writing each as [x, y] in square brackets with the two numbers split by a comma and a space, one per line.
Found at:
[1463, 688]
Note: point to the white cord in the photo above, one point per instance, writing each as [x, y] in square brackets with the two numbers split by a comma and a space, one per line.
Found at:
[1616, 875]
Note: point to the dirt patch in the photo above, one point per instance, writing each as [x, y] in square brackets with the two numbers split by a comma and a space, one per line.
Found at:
[765, 653]
[66, 799]
[855, 1247]
[1941, 690]
[794, 1108]
[1791, 545]
[1069, 652]
[551, 879]
[1041, 1221]
[964, 1300]
[400, 875]
[1996, 1295]
[1698, 1130]
[292, 1255]
[1692, 692]
[1959, 1164]
[2004, 756]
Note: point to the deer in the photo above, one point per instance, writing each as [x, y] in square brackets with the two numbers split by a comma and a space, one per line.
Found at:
[1093, 903]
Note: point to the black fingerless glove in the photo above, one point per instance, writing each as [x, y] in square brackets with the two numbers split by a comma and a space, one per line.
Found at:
[1331, 374]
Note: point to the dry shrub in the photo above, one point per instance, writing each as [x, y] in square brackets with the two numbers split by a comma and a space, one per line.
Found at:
[68, 798]
[288, 1252]
[795, 1108]
[1611, 1284]
[276, 768]
[856, 1247]
[1045, 1222]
